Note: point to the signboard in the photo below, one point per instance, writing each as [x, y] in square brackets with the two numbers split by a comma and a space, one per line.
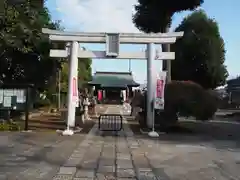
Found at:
[7, 101]
[12, 98]
[159, 90]
[1, 96]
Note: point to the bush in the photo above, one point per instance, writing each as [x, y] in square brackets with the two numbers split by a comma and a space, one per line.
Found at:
[190, 99]
[184, 98]
[42, 103]
[9, 126]
[208, 105]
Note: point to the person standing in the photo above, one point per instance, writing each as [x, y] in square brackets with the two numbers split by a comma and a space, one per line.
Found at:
[86, 104]
[81, 107]
[94, 103]
[135, 103]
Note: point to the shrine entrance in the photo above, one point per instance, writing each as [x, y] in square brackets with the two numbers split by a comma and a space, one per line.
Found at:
[115, 87]
[112, 51]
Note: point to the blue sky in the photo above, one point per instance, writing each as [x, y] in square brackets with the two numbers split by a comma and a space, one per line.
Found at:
[108, 16]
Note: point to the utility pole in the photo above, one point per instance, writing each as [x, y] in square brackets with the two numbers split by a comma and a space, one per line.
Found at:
[129, 65]
[59, 89]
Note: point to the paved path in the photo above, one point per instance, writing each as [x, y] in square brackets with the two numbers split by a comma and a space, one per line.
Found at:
[32, 156]
[126, 157]
[99, 156]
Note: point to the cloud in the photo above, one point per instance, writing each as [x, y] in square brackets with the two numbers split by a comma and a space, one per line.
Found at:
[97, 15]
[101, 16]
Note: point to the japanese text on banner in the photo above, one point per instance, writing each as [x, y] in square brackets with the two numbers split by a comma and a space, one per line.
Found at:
[159, 91]
[75, 91]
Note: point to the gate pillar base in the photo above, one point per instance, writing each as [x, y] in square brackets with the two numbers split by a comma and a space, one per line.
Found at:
[68, 132]
[153, 134]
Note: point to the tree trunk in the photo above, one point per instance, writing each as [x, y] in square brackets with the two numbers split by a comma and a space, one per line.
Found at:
[166, 64]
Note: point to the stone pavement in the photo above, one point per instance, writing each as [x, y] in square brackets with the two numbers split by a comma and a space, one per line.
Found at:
[124, 156]
[33, 155]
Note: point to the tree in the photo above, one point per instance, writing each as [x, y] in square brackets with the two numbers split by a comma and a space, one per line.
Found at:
[24, 56]
[200, 53]
[156, 16]
[84, 73]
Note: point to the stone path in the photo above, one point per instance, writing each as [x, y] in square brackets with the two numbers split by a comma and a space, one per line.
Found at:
[99, 156]
[32, 156]
[124, 156]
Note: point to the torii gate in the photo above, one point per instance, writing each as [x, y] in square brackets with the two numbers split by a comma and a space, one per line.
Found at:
[113, 41]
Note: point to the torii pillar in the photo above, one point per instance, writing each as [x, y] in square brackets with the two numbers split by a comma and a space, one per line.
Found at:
[72, 97]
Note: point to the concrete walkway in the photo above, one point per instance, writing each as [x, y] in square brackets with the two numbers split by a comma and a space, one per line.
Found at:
[99, 156]
[127, 157]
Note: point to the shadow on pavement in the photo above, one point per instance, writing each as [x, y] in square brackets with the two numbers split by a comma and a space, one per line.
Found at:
[29, 151]
[222, 135]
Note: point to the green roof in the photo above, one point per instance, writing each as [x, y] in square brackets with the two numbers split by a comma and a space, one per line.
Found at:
[113, 79]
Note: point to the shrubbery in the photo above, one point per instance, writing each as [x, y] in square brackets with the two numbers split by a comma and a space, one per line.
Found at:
[190, 99]
[184, 98]
[9, 126]
[42, 103]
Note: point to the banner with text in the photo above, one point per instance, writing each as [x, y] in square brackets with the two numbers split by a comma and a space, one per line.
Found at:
[75, 97]
[159, 90]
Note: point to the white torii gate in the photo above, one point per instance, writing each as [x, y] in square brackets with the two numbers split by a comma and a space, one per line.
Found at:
[113, 41]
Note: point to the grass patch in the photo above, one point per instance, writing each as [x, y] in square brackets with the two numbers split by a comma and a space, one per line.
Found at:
[10, 126]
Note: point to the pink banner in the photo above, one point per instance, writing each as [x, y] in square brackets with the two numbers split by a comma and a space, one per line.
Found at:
[74, 88]
[159, 88]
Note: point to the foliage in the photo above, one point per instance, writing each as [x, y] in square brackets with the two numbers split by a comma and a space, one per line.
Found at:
[156, 15]
[24, 56]
[190, 99]
[183, 98]
[42, 103]
[200, 53]
[64, 77]
[24, 49]
[84, 73]
[9, 126]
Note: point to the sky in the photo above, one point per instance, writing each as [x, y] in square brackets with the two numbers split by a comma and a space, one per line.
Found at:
[116, 16]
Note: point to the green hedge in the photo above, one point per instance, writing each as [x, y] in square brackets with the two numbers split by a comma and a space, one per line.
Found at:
[4, 126]
[42, 103]
[190, 99]
[184, 98]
